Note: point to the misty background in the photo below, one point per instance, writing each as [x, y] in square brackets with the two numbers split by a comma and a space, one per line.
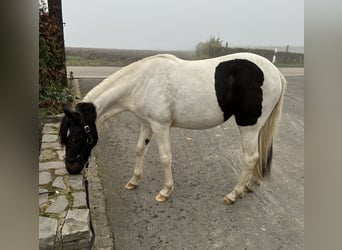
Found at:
[181, 25]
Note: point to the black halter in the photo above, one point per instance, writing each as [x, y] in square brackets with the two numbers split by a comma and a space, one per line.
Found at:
[83, 156]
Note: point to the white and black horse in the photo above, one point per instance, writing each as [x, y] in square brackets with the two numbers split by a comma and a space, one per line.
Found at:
[164, 91]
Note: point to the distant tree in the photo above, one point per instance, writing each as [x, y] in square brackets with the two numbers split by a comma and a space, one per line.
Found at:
[211, 48]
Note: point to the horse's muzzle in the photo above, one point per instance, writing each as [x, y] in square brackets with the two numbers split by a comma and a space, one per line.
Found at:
[74, 167]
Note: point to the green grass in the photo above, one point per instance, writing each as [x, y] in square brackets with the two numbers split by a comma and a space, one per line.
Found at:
[286, 65]
[79, 61]
[120, 58]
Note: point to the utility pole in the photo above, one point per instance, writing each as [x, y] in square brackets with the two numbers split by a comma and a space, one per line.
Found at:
[55, 11]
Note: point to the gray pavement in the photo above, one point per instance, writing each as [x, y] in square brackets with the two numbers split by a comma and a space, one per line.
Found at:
[206, 165]
[91, 72]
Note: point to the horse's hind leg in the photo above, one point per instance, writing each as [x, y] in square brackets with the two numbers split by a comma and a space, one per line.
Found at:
[141, 150]
[249, 142]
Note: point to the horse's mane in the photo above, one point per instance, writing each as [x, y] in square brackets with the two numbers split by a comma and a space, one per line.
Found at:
[63, 130]
[102, 86]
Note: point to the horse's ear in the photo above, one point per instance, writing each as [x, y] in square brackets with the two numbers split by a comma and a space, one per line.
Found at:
[63, 130]
[74, 116]
[67, 111]
[88, 111]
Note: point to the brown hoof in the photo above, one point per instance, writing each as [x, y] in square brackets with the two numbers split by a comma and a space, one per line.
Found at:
[161, 198]
[227, 201]
[130, 186]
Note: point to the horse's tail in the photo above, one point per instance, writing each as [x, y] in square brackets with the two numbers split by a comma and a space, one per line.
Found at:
[263, 166]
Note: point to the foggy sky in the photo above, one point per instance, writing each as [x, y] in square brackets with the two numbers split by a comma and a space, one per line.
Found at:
[181, 24]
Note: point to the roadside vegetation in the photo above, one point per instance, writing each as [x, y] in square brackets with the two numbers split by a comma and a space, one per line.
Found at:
[79, 61]
[52, 93]
[289, 65]
[114, 57]
[211, 48]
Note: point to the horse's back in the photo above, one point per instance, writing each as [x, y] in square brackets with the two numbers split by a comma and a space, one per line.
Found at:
[183, 92]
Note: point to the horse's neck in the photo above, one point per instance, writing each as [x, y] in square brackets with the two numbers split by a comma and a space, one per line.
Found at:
[112, 95]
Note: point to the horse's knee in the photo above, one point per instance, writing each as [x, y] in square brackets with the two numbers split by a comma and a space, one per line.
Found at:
[139, 151]
[165, 160]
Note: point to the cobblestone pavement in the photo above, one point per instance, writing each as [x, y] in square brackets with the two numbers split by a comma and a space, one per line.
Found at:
[64, 217]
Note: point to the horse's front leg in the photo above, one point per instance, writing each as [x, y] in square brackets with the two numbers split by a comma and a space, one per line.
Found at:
[162, 135]
[141, 150]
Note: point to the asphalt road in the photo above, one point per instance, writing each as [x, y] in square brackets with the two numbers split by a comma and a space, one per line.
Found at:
[206, 165]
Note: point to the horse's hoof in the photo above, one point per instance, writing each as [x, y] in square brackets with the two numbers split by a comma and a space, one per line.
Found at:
[161, 198]
[130, 186]
[227, 201]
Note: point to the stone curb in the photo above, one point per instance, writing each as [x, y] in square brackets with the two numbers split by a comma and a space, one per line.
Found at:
[102, 231]
[65, 220]
[104, 239]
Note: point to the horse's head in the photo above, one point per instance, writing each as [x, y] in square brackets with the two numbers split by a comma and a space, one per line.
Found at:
[79, 135]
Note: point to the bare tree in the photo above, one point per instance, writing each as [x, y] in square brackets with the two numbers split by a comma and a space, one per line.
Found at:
[55, 11]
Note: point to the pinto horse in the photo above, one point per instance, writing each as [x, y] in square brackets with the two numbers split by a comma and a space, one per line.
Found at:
[164, 91]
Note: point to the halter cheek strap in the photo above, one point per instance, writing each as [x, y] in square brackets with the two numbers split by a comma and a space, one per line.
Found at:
[90, 140]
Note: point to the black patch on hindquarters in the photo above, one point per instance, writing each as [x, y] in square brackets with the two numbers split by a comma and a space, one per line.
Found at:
[238, 90]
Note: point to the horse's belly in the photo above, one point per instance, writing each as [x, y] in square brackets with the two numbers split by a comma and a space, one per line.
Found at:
[197, 113]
